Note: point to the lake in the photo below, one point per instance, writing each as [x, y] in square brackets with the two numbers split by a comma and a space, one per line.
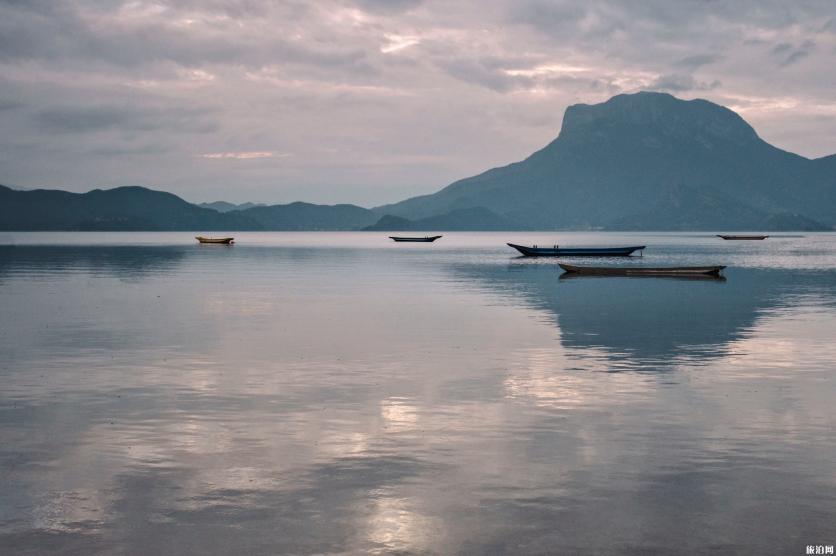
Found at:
[309, 393]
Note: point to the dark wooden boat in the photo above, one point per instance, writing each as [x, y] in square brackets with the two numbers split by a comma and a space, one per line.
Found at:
[741, 237]
[221, 240]
[569, 276]
[427, 239]
[644, 270]
[556, 251]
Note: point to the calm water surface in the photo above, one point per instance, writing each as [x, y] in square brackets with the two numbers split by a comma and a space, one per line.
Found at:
[334, 393]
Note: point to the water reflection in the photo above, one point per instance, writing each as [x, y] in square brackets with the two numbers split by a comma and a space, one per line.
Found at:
[125, 262]
[282, 399]
[652, 323]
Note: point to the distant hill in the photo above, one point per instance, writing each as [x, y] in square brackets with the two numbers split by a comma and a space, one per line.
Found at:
[307, 216]
[139, 208]
[469, 219]
[122, 208]
[648, 161]
[223, 206]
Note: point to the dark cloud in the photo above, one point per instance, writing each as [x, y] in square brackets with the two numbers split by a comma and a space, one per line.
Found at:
[82, 119]
[485, 72]
[154, 149]
[795, 57]
[387, 6]
[781, 48]
[236, 9]
[678, 83]
[789, 54]
[697, 60]
[10, 105]
[550, 17]
[65, 32]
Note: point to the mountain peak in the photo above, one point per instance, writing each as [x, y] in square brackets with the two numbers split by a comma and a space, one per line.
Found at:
[658, 112]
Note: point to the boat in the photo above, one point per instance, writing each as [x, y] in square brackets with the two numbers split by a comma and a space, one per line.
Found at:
[427, 239]
[684, 271]
[570, 276]
[221, 240]
[556, 251]
[741, 237]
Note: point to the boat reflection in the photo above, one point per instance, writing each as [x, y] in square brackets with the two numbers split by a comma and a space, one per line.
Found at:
[697, 277]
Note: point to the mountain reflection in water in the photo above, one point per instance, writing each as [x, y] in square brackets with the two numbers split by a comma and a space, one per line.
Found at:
[652, 323]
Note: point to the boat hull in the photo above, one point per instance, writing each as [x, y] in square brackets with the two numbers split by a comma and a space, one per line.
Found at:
[428, 239]
[740, 238]
[576, 251]
[216, 240]
[683, 271]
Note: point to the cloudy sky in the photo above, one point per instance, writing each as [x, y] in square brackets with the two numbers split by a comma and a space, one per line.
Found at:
[370, 101]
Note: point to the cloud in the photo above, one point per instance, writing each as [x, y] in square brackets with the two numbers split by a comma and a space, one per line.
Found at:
[782, 48]
[679, 83]
[387, 6]
[697, 60]
[395, 43]
[139, 150]
[789, 53]
[138, 34]
[9, 105]
[245, 155]
[81, 119]
[549, 17]
[798, 53]
[484, 72]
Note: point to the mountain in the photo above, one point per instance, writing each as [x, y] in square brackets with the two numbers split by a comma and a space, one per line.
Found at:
[223, 206]
[644, 161]
[121, 208]
[139, 208]
[692, 209]
[648, 161]
[306, 216]
[469, 219]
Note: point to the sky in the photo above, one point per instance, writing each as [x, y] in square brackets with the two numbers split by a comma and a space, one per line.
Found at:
[373, 101]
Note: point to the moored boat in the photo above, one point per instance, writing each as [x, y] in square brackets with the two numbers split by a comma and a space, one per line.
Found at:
[556, 251]
[427, 239]
[739, 237]
[221, 240]
[683, 271]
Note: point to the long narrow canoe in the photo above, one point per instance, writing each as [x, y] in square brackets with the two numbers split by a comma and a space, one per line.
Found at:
[427, 239]
[223, 240]
[742, 237]
[644, 270]
[556, 251]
